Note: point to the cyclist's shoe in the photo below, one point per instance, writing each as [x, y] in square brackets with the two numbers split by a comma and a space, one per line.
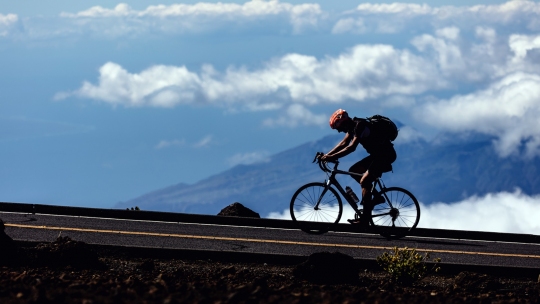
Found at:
[358, 222]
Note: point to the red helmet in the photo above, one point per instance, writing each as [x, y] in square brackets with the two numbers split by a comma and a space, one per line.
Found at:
[338, 118]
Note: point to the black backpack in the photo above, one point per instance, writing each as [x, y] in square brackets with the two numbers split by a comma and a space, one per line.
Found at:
[384, 126]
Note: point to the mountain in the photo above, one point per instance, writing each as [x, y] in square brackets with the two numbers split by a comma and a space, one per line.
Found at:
[444, 171]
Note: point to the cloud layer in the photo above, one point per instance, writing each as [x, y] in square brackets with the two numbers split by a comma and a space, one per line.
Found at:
[399, 17]
[512, 212]
[197, 18]
[278, 17]
[365, 71]
[504, 69]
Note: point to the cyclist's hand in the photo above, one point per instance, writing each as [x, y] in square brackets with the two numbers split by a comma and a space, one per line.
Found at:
[326, 158]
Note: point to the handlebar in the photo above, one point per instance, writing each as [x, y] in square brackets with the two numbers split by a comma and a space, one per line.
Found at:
[323, 164]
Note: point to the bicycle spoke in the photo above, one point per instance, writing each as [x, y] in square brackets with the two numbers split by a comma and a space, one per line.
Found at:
[401, 210]
[318, 195]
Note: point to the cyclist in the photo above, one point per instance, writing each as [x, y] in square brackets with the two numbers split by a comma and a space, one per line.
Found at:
[380, 149]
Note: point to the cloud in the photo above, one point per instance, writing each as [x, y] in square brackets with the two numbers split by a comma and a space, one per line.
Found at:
[508, 110]
[204, 142]
[349, 25]
[297, 114]
[198, 17]
[398, 17]
[408, 134]
[249, 158]
[258, 16]
[512, 212]
[159, 86]
[498, 212]
[522, 44]
[362, 72]
[6, 23]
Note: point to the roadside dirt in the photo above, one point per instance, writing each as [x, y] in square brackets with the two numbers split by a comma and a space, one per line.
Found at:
[67, 271]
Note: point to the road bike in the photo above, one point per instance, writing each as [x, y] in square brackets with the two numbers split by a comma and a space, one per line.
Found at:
[317, 207]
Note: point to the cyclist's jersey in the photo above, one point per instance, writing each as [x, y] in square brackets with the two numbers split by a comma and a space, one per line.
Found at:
[369, 139]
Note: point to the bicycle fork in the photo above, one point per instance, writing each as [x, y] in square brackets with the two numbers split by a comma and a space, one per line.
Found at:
[394, 212]
[328, 183]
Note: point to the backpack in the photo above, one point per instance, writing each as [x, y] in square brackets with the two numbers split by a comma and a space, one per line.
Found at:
[384, 126]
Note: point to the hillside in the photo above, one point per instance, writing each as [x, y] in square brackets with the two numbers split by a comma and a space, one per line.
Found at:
[446, 171]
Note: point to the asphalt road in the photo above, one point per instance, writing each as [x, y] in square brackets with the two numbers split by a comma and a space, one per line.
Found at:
[213, 237]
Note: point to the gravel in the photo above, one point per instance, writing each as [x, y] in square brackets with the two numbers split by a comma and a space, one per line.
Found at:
[67, 271]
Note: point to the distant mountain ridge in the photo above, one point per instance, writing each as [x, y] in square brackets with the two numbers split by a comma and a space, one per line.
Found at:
[444, 172]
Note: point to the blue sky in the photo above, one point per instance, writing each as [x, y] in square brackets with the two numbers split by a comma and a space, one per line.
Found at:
[101, 102]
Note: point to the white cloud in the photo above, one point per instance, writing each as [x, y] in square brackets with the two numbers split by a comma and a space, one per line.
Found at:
[7, 22]
[297, 114]
[249, 158]
[281, 17]
[204, 142]
[364, 71]
[496, 212]
[349, 25]
[399, 17]
[508, 110]
[521, 44]
[159, 86]
[200, 16]
[408, 134]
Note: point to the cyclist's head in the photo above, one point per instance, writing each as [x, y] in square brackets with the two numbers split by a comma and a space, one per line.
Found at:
[338, 119]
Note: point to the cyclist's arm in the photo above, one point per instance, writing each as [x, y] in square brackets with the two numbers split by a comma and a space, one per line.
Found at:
[342, 144]
[345, 147]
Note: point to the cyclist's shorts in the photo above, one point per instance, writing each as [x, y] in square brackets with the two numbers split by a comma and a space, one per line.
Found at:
[377, 163]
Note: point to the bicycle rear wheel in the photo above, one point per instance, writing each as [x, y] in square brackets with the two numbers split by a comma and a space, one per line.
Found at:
[310, 217]
[398, 214]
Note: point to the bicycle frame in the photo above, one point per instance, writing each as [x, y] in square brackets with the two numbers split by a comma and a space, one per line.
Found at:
[333, 181]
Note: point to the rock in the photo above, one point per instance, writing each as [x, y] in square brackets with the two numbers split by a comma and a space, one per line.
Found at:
[328, 268]
[66, 252]
[10, 254]
[237, 209]
[5, 240]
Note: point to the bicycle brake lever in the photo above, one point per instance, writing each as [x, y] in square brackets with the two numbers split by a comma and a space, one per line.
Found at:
[317, 156]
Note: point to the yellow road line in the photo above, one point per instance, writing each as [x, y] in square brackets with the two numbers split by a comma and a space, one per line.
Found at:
[221, 238]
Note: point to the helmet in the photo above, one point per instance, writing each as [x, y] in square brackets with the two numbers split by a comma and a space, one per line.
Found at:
[338, 118]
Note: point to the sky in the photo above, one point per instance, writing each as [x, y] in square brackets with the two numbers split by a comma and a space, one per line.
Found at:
[103, 101]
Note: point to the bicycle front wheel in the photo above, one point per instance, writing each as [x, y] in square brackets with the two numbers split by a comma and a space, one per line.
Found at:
[398, 212]
[316, 207]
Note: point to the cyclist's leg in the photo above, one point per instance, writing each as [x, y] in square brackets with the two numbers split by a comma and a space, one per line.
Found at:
[381, 162]
[361, 167]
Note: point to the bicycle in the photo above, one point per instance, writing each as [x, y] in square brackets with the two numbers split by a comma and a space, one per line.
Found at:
[316, 207]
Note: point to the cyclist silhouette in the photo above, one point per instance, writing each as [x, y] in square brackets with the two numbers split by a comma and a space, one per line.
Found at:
[379, 147]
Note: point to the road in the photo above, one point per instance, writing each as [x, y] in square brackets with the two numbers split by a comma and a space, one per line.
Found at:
[214, 237]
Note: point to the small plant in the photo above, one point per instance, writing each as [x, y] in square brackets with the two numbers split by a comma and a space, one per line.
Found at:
[134, 209]
[406, 265]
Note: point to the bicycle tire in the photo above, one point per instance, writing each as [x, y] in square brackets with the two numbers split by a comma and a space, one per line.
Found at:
[303, 211]
[400, 219]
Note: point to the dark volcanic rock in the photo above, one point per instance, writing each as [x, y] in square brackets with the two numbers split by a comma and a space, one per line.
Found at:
[66, 252]
[326, 267]
[10, 253]
[238, 209]
[5, 240]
